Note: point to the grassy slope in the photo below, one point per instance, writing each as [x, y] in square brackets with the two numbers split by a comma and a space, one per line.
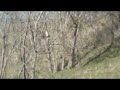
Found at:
[109, 68]
[106, 66]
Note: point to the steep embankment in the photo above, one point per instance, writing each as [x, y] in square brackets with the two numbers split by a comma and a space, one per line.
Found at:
[106, 66]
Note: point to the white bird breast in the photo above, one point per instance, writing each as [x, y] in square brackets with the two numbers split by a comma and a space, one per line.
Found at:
[46, 33]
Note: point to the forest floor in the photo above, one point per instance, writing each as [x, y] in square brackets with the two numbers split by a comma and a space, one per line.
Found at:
[106, 66]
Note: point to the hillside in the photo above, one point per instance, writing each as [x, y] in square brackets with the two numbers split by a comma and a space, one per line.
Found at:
[105, 67]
